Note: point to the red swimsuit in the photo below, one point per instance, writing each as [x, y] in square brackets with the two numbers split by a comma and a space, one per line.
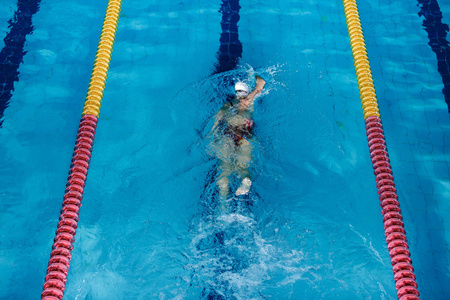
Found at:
[237, 133]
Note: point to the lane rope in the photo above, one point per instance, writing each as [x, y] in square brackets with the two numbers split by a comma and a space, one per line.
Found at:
[60, 256]
[405, 280]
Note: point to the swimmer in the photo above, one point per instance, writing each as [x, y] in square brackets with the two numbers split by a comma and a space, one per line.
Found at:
[232, 130]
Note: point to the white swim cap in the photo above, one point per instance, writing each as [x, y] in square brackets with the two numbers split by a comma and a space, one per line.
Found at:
[241, 87]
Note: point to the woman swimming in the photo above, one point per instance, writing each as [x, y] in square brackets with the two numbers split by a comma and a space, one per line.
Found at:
[232, 130]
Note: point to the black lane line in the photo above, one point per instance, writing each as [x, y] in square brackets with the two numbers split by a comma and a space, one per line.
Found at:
[230, 50]
[437, 33]
[12, 54]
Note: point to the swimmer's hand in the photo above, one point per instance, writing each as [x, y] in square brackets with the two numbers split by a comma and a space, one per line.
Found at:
[259, 83]
[248, 101]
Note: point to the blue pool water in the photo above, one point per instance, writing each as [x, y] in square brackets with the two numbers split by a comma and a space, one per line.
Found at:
[150, 227]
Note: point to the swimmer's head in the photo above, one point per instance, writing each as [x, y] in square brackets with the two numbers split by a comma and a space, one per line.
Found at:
[241, 89]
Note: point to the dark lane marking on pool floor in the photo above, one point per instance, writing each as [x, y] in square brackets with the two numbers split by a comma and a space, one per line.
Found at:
[230, 50]
[437, 33]
[13, 52]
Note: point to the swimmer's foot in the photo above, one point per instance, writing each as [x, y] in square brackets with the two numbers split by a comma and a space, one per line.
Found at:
[245, 187]
[224, 204]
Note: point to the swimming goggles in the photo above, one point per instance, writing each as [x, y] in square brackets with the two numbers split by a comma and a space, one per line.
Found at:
[240, 93]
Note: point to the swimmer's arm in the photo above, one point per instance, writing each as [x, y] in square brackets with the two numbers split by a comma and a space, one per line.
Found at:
[260, 83]
[219, 117]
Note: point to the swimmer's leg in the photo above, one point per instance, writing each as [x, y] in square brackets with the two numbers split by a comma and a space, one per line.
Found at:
[225, 153]
[244, 158]
[223, 181]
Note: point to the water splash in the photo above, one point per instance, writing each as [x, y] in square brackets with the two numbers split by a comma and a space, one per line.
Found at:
[231, 259]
